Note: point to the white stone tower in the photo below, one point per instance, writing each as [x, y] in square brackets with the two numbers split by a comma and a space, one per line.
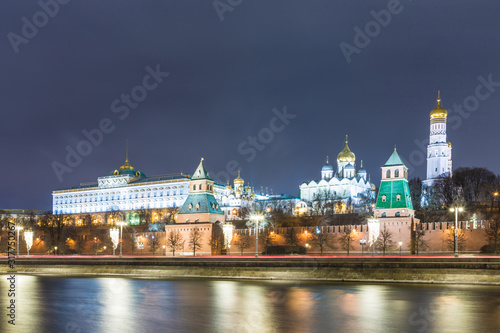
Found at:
[438, 150]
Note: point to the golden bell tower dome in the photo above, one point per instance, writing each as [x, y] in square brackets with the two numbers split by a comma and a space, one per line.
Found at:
[346, 155]
[439, 111]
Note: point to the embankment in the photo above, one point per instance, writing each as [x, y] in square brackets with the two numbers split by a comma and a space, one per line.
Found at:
[466, 270]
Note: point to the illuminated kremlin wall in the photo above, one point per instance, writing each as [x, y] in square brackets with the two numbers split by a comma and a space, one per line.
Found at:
[436, 235]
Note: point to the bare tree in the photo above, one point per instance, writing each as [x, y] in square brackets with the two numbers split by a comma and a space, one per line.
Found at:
[385, 242]
[493, 234]
[461, 239]
[154, 244]
[346, 239]
[243, 242]
[174, 240]
[132, 238]
[323, 240]
[420, 243]
[267, 238]
[169, 216]
[216, 240]
[53, 227]
[195, 238]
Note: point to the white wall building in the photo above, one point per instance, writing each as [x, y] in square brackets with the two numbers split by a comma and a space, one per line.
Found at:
[125, 189]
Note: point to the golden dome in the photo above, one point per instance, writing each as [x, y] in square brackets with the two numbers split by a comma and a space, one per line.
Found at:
[237, 192]
[126, 166]
[346, 155]
[239, 180]
[439, 112]
[228, 187]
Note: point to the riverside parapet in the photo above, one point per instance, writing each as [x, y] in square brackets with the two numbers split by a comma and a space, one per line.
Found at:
[466, 270]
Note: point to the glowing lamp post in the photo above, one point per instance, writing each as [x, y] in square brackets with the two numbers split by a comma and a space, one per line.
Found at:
[114, 234]
[256, 218]
[28, 237]
[228, 235]
[455, 232]
[373, 232]
[400, 244]
[17, 243]
[121, 236]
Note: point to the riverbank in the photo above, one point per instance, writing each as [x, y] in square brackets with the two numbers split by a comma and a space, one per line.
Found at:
[466, 270]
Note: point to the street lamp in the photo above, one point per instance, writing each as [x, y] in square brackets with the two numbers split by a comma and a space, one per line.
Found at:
[495, 195]
[17, 243]
[256, 217]
[121, 236]
[114, 233]
[164, 251]
[400, 244]
[227, 229]
[55, 250]
[307, 245]
[455, 233]
[362, 242]
[28, 237]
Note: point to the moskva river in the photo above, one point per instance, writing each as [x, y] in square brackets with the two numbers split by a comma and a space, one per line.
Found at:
[49, 304]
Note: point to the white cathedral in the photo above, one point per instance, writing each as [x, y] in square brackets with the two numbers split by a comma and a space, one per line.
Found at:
[438, 150]
[345, 184]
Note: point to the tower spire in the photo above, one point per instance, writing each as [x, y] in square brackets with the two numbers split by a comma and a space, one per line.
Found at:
[346, 138]
[327, 160]
[439, 98]
[126, 152]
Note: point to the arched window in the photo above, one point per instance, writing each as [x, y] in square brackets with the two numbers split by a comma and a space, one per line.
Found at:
[398, 214]
[384, 198]
[398, 197]
[396, 173]
[388, 174]
[383, 214]
[199, 187]
[194, 187]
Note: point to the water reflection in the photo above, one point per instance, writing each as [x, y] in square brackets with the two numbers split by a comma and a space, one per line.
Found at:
[46, 304]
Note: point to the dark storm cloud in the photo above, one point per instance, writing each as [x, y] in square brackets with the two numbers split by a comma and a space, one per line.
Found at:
[226, 77]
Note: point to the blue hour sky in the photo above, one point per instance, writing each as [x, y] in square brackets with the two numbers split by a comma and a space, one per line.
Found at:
[268, 87]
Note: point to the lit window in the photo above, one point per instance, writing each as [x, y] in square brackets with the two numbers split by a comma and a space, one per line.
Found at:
[384, 198]
[398, 197]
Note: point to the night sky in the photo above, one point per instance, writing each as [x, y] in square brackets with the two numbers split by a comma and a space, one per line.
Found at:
[225, 78]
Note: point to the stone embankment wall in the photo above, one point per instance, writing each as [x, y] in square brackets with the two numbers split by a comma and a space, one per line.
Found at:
[390, 270]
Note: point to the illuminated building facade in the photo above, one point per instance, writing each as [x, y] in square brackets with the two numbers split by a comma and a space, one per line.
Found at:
[345, 183]
[439, 161]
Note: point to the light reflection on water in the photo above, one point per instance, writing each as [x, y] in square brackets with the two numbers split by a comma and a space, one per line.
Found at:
[48, 304]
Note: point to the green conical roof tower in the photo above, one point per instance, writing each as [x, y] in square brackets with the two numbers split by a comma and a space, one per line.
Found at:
[394, 199]
[200, 205]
